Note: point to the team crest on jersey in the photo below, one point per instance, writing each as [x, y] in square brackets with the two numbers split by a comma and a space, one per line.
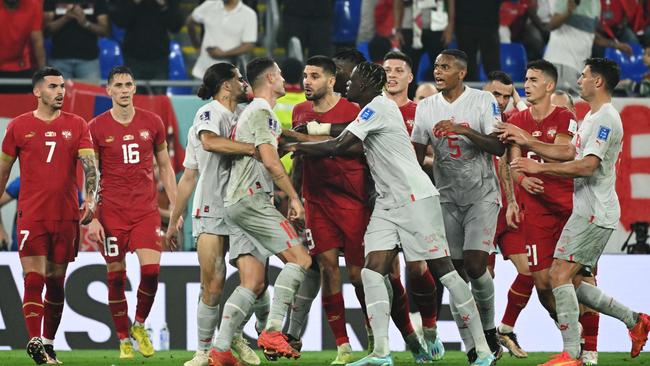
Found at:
[603, 133]
[50, 134]
[205, 116]
[551, 132]
[366, 114]
[409, 122]
[30, 134]
[109, 139]
[537, 133]
[67, 134]
[128, 137]
[144, 134]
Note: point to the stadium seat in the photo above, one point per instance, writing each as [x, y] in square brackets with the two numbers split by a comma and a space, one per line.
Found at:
[363, 48]
[425, 65]
[347, 15]
[110, 55]
[513, 60]
[177, 69]
[632, 67]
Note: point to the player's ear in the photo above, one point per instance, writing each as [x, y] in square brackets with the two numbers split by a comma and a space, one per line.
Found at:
[462, 73]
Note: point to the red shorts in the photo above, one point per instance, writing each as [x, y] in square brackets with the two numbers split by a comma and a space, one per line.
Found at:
[56, 240]
[126, 235]
[510, 241]
[542, 234]
[334, 227]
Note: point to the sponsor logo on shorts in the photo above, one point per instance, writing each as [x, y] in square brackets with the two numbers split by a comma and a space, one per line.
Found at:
[50, 134]
[434, 249]
[366, 114]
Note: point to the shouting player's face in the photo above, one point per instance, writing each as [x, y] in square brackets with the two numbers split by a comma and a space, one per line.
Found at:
[121, 89]
[50, 92]
[537, 86]
[587, 84]
[399, 76]
[317, 82]
[502, 93]
[447, 73]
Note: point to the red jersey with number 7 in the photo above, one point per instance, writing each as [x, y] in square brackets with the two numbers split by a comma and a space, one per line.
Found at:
[47, 153]
[125, 153]
[558, 191]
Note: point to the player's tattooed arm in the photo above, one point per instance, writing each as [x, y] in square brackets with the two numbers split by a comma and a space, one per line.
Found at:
[90, 177]
[505, 176]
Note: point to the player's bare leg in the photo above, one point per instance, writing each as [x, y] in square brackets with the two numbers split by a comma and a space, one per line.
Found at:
[333, 304]
[518, 297]
[401, 315]
[589, 319]
[544, 290]
[297, 262]
[54, 301]
[34, 269]
[475, 265]
[210, 250]
[149, 270]
[239, 305]
[423, 289]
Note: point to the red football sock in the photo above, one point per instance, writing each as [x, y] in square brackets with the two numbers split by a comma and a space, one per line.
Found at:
[589, 321]
[33, 303]
[423, 290]
[335, 310]
[54, 298]
[117, 303]
[361, 296]
[146, 290]
[518, 297]
[400, 308]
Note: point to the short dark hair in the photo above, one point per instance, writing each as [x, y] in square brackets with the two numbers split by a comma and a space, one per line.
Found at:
[374, 75]
[545, 67]
[214, 77]
[351, 55]
[40, 74]
[119, 70]
[292, 70]
[324, 62]
[499, 76]
[399, 55]
[459, 55]
[608, 69]
[569, 97]
[257, 67]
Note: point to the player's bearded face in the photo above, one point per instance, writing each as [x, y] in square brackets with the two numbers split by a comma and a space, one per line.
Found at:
[316, 82]
[122, 89]
[51, 91]
[239, 88]
[398, 74]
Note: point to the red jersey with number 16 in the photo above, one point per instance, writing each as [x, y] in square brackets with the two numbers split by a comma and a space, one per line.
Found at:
[48, 153]
[558, 191]
[126, 153]
[340, 181]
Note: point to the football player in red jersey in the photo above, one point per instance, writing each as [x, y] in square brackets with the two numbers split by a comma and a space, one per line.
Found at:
[48, 143]
[126, 140]
[398, 67]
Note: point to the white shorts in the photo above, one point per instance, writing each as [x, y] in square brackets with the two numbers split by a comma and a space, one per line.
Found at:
[210, 225]
[582, 241]
[470, 227]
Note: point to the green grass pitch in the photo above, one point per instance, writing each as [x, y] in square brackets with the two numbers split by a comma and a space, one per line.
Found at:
[177, 358]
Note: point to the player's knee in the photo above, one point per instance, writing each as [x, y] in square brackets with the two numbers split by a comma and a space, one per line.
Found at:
[415, 269]
[117, 279]
[330, 270]
[475, 270]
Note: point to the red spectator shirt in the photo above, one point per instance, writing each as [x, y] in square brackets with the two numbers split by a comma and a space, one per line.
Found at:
[17, 27]
[126, 154]
[48, 153]
[339, 181]
[558, 191]
[408, 113]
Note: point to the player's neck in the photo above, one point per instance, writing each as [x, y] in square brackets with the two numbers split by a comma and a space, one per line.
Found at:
[227, 101]
[326, 103]
[542, 109]
[400, 98]
[266, 94]
[366, 99]
[451, 95]
[46, 113]
[598, 101]
[123, 115]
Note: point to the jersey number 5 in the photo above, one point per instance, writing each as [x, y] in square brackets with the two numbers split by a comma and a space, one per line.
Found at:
[454, 148]
[131, 153]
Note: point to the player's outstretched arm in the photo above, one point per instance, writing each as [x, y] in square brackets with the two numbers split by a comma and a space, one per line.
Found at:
[218, 144]
[90, 183]
[560, 150]
[346, 144]
[186, 186]
[584, 167]
[488, 143]
[420, 152]
[167, 175]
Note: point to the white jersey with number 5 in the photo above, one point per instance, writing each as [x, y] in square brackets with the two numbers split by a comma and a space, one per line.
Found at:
[601, 135]
[464, 174]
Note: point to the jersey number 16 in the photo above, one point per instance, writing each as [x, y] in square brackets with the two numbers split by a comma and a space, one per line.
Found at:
[130, 153]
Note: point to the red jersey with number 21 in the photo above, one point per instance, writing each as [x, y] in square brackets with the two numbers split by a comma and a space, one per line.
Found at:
[558, 191]
[47, 153]
[126, 153]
